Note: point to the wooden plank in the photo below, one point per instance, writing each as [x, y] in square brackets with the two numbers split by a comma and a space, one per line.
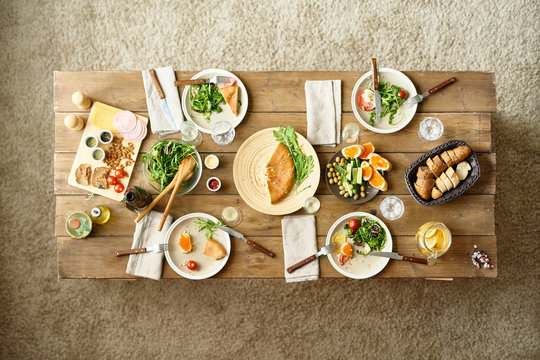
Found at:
[278, 91]
[474, 128]
[94, 258]
[395, 178]
[467, 215]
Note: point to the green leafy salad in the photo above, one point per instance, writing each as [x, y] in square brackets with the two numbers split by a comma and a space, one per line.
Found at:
[303, 164]
[369, 235]
[205, 99]
[208, 225]
[392, 97]
[163, 159]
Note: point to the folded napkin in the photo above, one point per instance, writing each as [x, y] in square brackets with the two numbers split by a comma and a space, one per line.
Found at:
[158, 121]
[300, 242]
[150, 264]
[323, 105]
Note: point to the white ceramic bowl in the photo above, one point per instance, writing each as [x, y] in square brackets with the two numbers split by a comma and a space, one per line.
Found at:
[226, 114]
[394, 77]
[371, 265]
[207, 158]
[208, 183]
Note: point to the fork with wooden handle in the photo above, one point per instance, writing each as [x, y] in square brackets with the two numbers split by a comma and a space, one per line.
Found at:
[185, 169]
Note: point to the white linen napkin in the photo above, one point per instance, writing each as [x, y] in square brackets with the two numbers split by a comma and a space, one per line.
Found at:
[158, 121]
[300, 242]
[323, 106]
[150, 264]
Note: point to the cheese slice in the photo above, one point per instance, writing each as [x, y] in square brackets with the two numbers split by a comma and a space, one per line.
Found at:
[230, 94]
[102, 116]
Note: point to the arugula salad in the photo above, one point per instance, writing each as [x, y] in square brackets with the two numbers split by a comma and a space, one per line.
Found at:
[208, 225]
[366, 233]
[303, 164]
[205, 99]
[163, 159]
[392, 97]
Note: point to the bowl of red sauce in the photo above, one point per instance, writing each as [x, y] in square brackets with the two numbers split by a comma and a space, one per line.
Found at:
[213, 184]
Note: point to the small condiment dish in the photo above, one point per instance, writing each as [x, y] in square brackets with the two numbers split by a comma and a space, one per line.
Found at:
[211, 160]
[106, 137]
[98, 154]
[211, 180]
[91, 142]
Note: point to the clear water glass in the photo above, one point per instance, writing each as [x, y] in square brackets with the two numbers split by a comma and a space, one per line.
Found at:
[430, 129]
[349, 135]
[392, 208]
[312, 205]
[222, 133]
[231, 215]
[190, 134]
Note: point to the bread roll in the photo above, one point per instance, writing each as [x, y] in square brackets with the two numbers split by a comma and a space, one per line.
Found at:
[462, 170]
[426, 183]
[424, 173]
[436, 193]
[423, 192]
[462, 152]
[452, 176]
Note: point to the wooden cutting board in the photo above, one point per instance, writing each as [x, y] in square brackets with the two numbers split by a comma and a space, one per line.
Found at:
[103, 115]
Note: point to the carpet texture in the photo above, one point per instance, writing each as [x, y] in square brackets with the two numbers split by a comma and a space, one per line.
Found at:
[42, 317]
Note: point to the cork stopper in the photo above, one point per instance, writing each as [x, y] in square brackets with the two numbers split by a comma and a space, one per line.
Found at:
[74, 122]
[82, 101]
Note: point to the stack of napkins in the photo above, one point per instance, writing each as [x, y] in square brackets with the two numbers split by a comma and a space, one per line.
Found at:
[150, 264]
[299, 243]
[323, 106]
[158, 121]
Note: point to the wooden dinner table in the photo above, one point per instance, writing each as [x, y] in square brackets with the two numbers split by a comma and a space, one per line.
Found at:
[278, 98]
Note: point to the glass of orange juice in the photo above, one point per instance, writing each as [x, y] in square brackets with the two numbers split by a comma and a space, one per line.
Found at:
[433, 240]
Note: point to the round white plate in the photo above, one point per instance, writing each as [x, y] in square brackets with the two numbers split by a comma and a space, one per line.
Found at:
[198, 119]
[207, 267]
[359, 267]
[403, 115]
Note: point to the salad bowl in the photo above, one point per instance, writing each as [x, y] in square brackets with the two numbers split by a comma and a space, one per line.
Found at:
[188, 184]
[403, 115]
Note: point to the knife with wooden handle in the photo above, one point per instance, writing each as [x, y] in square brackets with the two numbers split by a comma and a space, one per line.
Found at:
[396, 256]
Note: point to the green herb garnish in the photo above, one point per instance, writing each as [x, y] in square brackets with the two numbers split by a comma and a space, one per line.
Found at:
[369, 232]
[163, 160]
[205, 99]
[207, 225]
[303, 164]
[390, 102]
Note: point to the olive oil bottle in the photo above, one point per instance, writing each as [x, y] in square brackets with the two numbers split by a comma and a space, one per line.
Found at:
[100, 214]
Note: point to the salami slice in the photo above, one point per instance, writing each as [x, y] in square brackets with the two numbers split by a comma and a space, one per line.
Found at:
[125, 122]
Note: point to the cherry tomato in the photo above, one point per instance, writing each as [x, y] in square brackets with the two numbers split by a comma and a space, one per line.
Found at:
[119, 173]
[119, 187]
[402, 94]
[362, 103]
[191, 265]
[111, 180]
[354, 224]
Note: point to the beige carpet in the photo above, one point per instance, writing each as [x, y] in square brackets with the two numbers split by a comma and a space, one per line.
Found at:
[43, 317]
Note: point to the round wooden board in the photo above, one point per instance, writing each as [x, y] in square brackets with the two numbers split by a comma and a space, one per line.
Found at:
[250, 180]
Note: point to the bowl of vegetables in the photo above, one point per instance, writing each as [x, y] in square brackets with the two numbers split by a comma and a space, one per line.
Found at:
[204, 104]
[161, 161]
[395, 88]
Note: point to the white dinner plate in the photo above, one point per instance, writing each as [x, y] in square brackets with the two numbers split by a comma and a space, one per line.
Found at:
[206, 266]
[199, 120]
[359, 267]
[403, 115]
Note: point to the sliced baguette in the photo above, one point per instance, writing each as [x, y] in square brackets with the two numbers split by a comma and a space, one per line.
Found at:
[439, 165]
[447, 159]
[446, 181]
[436, 193]
[424, 173]
[452, 176]
[462, 170]
[453, 156]
[426, 183]
[423, 192]
[441, 186]
[462, 152]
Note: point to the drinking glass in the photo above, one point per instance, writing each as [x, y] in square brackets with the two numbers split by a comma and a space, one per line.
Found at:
[312, 205]
[430, 129]
[392, 208]
[222, 133]
[349, 136]
[231, 216]
[433, 240]
[190, 134]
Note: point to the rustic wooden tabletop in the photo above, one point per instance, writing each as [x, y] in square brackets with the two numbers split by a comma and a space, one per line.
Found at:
[278, 98]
